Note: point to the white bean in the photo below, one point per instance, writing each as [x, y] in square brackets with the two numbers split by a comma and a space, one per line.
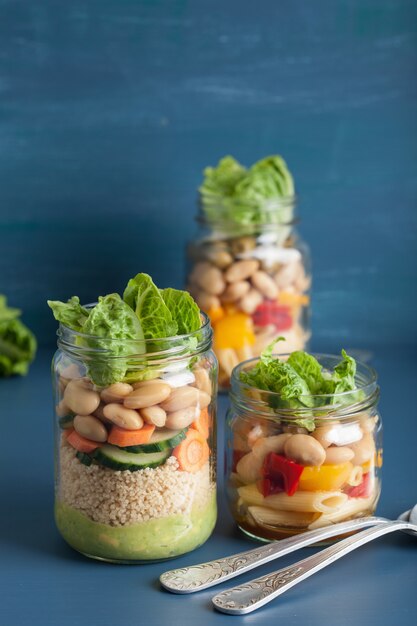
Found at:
[235, 291]
[202, 380]
[123, 417]
[338, 454]
[148, 395]
[265, 285]
[154, 415]
[305, 450]
[116, 392]
[249, 303]
[204, 400]
[80, 399]
[181, 398]
[90, 427]
[240, 270]
[209, 278]
[181, 418]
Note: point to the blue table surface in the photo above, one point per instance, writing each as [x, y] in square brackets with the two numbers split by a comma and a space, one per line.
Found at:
[44, 582]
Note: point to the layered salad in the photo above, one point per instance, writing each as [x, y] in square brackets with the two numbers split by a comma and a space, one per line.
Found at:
[135, 398]
[250, 273]
[305, 444]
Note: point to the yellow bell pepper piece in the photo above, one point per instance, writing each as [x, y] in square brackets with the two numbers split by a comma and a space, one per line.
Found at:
[293, 299]
[234, 331]
[215, 314]
[325, 477]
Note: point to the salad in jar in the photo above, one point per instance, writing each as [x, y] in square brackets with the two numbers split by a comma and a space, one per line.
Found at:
[249, 269]
[304, 443]
[135, 397]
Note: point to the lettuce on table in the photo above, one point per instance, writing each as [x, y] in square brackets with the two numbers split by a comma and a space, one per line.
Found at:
[17, 342]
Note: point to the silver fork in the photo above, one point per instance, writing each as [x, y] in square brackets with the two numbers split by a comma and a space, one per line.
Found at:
[204, 575]
[258, 592]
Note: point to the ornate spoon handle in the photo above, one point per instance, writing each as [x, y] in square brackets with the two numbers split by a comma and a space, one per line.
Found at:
[255, 593]
[204, 575]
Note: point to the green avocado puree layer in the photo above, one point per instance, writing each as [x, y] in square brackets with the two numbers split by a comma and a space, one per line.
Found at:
[160, 538]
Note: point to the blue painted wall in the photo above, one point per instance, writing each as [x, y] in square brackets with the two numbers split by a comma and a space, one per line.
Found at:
[110, 109]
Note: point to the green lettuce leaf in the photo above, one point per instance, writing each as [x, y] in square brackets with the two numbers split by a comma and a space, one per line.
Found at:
[341, 380]
[308, 368]
[17, 342]
[142, 295]
[114, 321]
[70, 313]
[222, 179]
[7, 313]
[299, 379]
[232, 193]
[184, 310]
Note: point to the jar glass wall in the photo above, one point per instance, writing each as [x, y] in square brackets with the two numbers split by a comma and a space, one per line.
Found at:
[291, 470]
[152, 500]
[253, 281]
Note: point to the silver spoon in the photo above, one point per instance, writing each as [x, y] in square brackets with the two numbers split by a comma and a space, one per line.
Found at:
[255, 593]
[204, 575]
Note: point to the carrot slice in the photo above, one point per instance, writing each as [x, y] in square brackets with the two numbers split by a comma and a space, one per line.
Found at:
[81, 443]
[202, 423]
[192, 453]
[125, 438]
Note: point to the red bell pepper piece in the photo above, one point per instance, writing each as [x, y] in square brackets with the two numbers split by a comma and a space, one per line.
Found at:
[279, 474]
[361, 491]
[269, 312]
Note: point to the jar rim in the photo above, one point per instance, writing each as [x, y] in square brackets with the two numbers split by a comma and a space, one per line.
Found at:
[269, 207]
[73, 341]
[365, 379]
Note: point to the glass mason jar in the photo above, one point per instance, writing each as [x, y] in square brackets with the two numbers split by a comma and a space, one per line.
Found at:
[155, 499]
[253, 281]
[291, 470]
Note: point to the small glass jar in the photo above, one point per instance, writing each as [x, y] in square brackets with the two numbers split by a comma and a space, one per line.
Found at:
[253, 281]
[135, 460]
[292, 470]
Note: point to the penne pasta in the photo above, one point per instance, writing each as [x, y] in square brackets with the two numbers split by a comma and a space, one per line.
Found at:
[304, 501]
[349, 509]
[228, 359]
[268, 517]
[244, 353]
[356, 476]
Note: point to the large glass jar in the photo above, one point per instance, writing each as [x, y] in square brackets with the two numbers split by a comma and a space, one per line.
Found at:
[291, 470]
[136, 459]
[253, 281]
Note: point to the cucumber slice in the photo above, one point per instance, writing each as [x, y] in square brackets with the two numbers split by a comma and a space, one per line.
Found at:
[118, 459]
[66, 421]
[84, 458]
[162, 439]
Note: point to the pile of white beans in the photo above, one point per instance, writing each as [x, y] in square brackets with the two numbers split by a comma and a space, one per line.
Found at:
[245, 274]
[239, 274]
[161, 403]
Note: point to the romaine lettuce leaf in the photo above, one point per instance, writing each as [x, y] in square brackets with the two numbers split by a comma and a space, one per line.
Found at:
[222, 179]
[300, 379]
[115, 322]
[308, 368]
[70, 313]
[184, 310]
[17, 342]
[144, 297]
[232, 193]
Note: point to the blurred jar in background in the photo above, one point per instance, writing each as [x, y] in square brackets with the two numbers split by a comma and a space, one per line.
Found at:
[248, 268]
